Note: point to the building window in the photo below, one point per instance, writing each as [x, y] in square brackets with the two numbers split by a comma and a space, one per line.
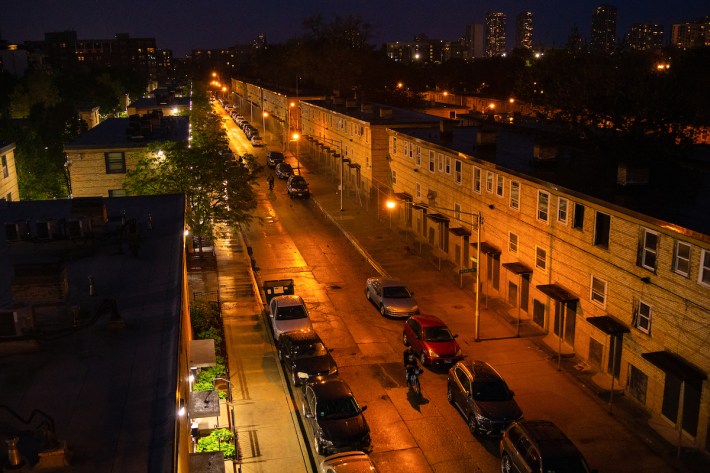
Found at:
[477, 180]
[562, 205]
[431, 162]
[457, 172]
[541, 259]
[394, 177]
[5, 170]
[117, 193]
[681, 259]
[578, 222]
[514, 195]
[394, 145]
[602, 227]
[418, 190]
[543, 205]
[648, 249]
[513, 243]
[642, 317]
[448, 164]
[500, 182]
[457, 211]
[405, 148]
[440, 160]
[704, 270]
[638, 382]
[115, 163]
[418, 156]
[489, 181]
[598, 291]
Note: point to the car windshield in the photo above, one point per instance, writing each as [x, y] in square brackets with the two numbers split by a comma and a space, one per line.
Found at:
[337, 408]
[396, 292]
[564, 465]
[490, 391]
[437, 334]
[291, 312]
[299, 184]
[310, 350]
[285, 167]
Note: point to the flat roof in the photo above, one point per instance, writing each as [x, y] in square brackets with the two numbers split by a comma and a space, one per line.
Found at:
[152, 102]
[113, 133]
[108, 388]
[678, 191]
[371, 113]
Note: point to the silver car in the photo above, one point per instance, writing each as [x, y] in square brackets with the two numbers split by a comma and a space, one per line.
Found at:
[391, 297]
[288, 313]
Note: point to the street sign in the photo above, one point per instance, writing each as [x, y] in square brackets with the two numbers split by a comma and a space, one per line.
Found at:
[467, 270]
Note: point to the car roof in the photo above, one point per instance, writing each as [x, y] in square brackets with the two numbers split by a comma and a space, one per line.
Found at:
[481, 370]
[288, 299]
[331, 388]
[391, 283]
[549, 439]
[300, 337]
[284, 165]
[428, 320]
[275, 154]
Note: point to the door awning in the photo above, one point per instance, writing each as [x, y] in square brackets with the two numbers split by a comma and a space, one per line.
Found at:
[487, 248]
[460, 231]
[420, 206]
[202, 353]
[677, 366]
[403, 196]
[517, 268]
[557, 292]
[608, 324]
[440, 218]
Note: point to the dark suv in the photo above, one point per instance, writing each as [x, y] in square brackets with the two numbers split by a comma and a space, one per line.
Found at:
[296, 186]
[539, 445]
[273, 158]
[335, 417]
[479, 392]
[305, 356]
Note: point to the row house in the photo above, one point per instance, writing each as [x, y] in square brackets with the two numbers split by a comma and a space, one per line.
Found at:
[356, 132]
[9, 190]
[610, 261]
[98, 159]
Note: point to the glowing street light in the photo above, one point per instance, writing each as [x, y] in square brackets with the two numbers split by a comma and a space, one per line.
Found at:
[297, 137]
[390, 204]
[263, 122]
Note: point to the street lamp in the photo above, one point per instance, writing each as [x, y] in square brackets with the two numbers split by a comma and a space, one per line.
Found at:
[390, 204]
[263, 122]
[296, 137]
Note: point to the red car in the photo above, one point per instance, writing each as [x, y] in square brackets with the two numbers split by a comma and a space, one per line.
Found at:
[432, 340]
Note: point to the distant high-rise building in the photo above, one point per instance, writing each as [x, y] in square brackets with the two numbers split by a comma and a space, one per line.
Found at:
[691, 35]
[575, 41]
[495, 34]
[524, 30]
[603, 38]
[475, 43]
[644, 37]
[259, 42]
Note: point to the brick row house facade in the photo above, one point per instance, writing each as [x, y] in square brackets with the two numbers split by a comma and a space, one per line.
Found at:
[606, 264]
[9, 190]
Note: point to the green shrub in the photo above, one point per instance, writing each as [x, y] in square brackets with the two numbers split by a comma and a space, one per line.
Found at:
[218, 439]
[206, 376]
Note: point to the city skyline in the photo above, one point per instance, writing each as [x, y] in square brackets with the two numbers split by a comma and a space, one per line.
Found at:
[182, 26]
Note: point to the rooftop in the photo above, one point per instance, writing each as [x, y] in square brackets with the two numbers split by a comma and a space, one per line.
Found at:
[375, 114]
[132, 132]
[152, 102]
[677, 191]
[101, 370]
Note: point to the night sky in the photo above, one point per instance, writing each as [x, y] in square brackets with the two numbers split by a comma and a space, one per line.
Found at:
[183, 25]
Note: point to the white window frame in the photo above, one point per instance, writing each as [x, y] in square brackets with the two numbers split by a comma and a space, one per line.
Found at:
[562, 215]
[678, 258]
[458, 172]
[477, 172]
[645, 250]
[418, 156]
[704, 268]
[394, 176]
[546, 208]
[500, 185]
[644, 314]
[457, 211]
[447, 165]
[542, 267]
[514, 195]
[513, 242]
[598, 296]
[417, 190]
[490, 177]
[405, 148]
[432, 162]
[440, 162]
[394, 145]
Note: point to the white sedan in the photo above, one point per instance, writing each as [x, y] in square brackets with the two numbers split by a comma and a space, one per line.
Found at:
[288, 313]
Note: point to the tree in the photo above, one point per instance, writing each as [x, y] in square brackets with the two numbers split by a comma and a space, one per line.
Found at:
[218, 187]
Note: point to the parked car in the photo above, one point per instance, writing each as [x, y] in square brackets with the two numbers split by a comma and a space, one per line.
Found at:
[391, 297]
[539, 445]
[273, 158]
[296, 186]
[348, 462]
[257, 141]
[432, 340]
[283, 170]
[335, 417]
[305, 357]
[288, 313]
[482, 397]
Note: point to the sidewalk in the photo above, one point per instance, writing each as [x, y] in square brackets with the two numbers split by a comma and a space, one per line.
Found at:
[391, 251]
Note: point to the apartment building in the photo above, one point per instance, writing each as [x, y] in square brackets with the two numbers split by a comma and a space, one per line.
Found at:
[97, 160]
[609, 261]
[9, 190]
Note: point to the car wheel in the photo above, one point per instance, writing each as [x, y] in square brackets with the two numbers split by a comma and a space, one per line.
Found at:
[472, 424]
[382, 309]
[405, 340]
[506, 466]
[422, 358]
[450, 394]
